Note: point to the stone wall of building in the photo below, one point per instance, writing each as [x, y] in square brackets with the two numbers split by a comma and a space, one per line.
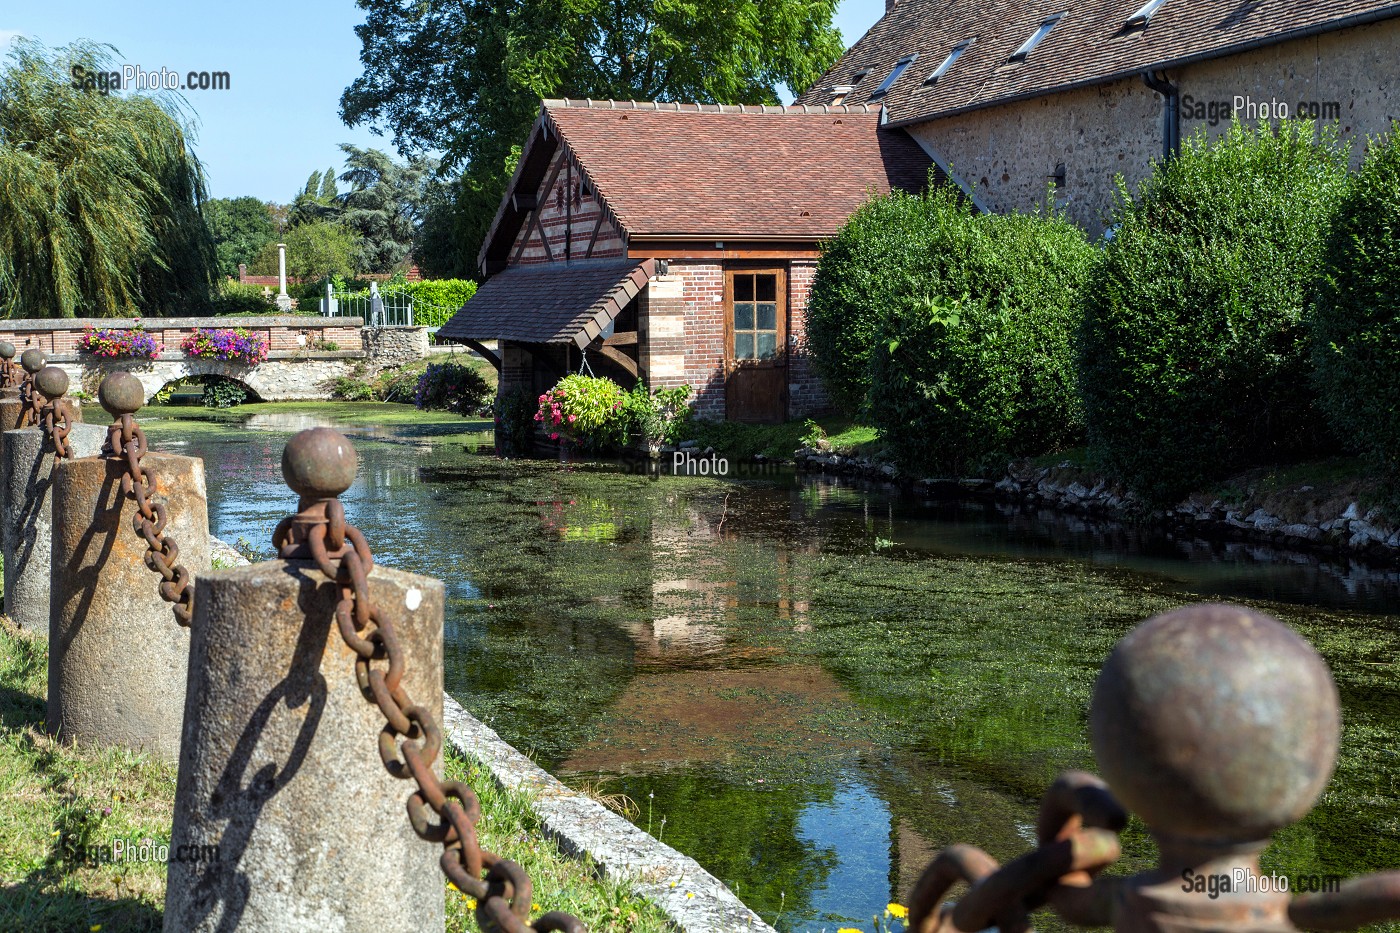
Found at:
[1009, 153]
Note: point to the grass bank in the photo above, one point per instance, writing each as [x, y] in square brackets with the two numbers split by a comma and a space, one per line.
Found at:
[779, 441]
[59, 803]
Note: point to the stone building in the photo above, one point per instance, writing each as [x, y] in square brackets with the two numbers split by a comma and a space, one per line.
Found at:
[1021, 100]
[675, 244]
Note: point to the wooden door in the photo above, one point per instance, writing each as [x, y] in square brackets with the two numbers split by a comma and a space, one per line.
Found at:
[755, 337]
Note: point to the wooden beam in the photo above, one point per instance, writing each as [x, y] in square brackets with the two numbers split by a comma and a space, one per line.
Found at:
[620, 358]
[626, 339]
[486, 353]
[525, 201]
[602, 215]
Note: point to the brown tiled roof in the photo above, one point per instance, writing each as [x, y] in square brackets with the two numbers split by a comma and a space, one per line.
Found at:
[713, 172]
[1090, 45]
[550, 302]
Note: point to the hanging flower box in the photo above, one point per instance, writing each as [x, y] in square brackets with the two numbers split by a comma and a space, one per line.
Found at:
[119, 343]
[237, 346]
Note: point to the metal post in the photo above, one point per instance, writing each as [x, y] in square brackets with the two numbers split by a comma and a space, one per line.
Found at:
[1218, 726]
[28, 459]
[376, 305]
[117, 658]
[280, 777]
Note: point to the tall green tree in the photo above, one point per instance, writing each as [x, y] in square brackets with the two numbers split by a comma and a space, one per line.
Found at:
[384, 205]
[465, 77]
[314, 251]
[100, 194]
[241, 227]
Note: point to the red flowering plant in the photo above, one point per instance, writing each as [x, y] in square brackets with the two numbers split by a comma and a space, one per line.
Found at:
[237, 346]
[586, 410]
[112, 343]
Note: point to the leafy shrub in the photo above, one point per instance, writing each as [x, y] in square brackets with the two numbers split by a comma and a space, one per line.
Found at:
[584, 409]
[973, 363]
[223, 393]
[349, 389]
[657, 416]
[451, 387]
[400, 387]
[515, 422]
[879, 255]
[1356, 329]
[235, 345]
[234, 298]
[1194, 355]
[117, 344]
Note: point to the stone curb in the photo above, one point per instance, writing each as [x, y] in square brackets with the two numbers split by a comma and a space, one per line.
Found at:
[694, 900]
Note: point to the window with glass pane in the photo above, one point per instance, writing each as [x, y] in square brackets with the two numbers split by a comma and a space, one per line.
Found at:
[755, 315]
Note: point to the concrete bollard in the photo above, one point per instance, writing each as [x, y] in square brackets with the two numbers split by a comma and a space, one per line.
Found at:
[286, 818]
[26, 463]
[117, 657]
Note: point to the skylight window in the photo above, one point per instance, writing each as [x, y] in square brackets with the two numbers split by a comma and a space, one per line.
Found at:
[1142, 17]
[1029, 45]
[942, 69]
[894, 74]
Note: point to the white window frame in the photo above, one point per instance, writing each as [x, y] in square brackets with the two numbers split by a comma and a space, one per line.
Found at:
[1036, 38]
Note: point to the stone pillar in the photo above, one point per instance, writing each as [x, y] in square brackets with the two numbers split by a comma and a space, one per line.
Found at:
[281, 784]
[117, 657]
[27, 519]
[284, 301]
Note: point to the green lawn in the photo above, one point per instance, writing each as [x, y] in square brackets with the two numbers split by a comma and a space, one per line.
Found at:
[55, 801]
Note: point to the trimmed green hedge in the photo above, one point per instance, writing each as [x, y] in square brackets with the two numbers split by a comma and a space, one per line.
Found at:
[974, 363]
[1356, 330]
[877, 257]
[1194, 356]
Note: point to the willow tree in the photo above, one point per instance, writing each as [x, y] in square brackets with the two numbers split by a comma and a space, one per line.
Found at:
[100, 194]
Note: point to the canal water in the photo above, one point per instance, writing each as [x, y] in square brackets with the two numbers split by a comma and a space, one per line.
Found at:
[809, 686]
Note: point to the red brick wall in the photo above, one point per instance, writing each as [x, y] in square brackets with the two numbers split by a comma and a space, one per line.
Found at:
[806, 396]
[64, 342]
[562, 223]
[704, 334]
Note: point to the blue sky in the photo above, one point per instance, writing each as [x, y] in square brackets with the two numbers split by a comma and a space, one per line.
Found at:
[288, 63]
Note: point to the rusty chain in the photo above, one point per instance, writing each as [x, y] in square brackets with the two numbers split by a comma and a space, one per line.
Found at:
[1077, 831]
[31, 402]
[57, 420]
[319, 532]
[126, 440]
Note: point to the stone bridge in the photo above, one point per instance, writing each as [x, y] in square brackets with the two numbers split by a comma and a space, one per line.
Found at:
[305, 354]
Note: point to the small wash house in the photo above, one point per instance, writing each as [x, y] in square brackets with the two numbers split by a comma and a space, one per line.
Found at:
[1010, 97]
[675, 244]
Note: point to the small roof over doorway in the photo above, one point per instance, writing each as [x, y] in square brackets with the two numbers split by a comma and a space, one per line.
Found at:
[551, 302]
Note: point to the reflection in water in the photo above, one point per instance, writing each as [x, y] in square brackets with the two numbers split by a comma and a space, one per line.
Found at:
[812, 686]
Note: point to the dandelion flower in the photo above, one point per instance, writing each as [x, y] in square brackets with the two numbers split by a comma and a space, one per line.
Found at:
[849, 930]
[898, 911]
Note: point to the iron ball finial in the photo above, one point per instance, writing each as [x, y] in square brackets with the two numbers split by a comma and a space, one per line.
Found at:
[7, 350]
[319, 463]
[1215, 723]
[121, 393]
[51, 382]
[33, 360]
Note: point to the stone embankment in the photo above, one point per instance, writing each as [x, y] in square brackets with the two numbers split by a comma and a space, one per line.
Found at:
[1303, 518]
